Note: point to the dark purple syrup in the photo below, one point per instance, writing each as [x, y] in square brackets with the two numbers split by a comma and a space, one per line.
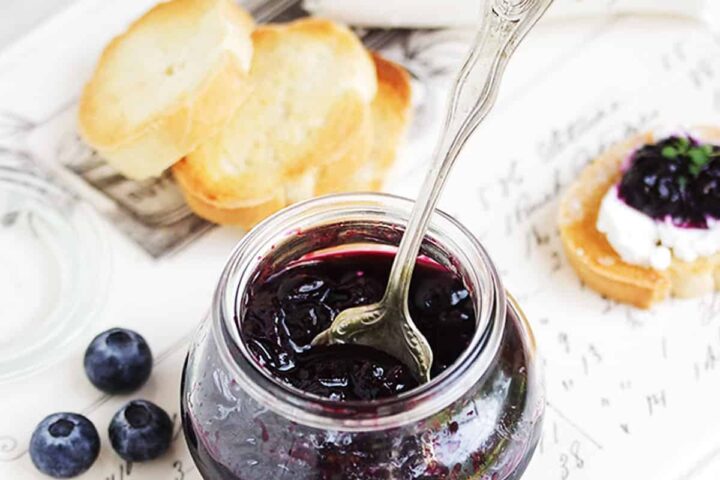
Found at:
[674, 179]
[284, 311]
[287, 310]
[502, 449]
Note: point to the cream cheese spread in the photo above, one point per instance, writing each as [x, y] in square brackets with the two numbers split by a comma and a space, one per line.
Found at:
[642, 240]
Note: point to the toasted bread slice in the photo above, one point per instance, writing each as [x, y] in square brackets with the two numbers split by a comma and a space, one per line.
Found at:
[388, 122]
[313, 183]
[300, 189]
[313, 84]
[173, 79]
[594, 259]
[391, 113]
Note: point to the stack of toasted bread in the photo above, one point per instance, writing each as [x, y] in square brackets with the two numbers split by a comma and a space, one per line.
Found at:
[249, 118]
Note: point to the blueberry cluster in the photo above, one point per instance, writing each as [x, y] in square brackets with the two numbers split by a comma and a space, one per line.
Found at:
[65, 445]
[676, 178]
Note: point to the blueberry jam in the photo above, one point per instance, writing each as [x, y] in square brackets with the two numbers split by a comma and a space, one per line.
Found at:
[288, 309]
[491, 432]
[677, 178]
[286, 409]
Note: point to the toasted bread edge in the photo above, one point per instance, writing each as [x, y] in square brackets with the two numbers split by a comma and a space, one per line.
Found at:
[596, 262]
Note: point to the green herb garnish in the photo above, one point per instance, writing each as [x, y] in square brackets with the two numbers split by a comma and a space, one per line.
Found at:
[699, 155]
[670, 152]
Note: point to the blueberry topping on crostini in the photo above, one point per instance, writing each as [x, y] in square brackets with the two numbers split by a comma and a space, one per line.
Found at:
[677, 178]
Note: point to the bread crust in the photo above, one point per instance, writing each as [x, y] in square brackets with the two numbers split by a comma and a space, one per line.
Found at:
[598, 264]
[254, 184]
[333, 178]
[243, 217]
[372, 147]
[391, 112]
[142, 148]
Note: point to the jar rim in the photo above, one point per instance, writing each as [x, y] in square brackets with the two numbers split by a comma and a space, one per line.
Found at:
[312, 410]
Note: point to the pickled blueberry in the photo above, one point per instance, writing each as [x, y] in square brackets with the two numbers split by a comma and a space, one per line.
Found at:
[140, 431]
[284, 312]
[118, 361]
[64, 445]
[676, 178]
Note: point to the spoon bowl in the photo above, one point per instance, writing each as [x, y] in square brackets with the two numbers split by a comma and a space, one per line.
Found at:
[376, 325]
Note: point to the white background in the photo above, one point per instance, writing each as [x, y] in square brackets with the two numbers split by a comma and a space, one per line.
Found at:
[573, 87]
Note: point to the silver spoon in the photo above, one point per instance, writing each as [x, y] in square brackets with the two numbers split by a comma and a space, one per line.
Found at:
[387, 325]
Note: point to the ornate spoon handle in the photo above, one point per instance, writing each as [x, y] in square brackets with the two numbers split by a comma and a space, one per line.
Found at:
[387, 325]
[505, 24]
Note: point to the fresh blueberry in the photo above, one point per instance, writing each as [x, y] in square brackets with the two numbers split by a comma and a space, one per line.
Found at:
[64, 445]
[140, 431]
[118, 361]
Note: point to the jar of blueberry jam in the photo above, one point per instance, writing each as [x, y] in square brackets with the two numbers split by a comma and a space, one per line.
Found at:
[260, 402]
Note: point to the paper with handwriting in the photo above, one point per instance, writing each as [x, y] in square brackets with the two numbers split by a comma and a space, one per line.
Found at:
[631, 394]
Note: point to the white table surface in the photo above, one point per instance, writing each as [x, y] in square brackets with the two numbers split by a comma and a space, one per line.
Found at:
[19, 16]
[134, 276]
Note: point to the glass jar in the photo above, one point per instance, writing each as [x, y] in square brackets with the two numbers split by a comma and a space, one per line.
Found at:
[479, 419]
